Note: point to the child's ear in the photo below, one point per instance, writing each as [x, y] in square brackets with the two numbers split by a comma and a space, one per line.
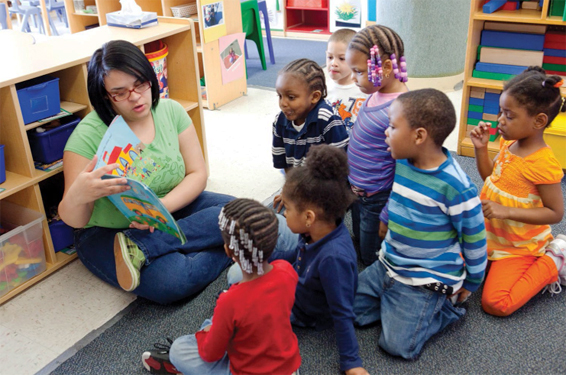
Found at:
[228, 252]
[310, 217]
[315, 96]
[387, 67]
[420, 136]
[541, 120]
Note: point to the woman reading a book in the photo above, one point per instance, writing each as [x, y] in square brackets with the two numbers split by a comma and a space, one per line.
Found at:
[152, 263]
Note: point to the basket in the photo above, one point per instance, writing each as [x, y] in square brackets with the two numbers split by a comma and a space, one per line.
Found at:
[184, 10]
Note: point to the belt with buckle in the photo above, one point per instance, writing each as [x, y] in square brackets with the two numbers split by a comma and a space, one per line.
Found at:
[440, 288]
[361, 192]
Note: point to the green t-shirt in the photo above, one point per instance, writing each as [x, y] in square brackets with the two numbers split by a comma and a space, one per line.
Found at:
[164, 164]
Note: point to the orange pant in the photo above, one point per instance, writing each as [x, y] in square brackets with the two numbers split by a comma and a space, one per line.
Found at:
[512, 282]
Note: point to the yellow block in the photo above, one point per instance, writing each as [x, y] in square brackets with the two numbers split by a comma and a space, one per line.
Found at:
[555, 137]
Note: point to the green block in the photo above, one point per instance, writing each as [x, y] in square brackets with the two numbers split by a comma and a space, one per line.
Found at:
[473, 121]
[557, 7]
[489, 75]
[555, 67]
[475, 108]
[493, 137]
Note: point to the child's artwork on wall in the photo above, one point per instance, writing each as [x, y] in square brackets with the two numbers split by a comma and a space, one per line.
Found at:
[213, 20]
[232, 63]
[346, 14]
[275, 14]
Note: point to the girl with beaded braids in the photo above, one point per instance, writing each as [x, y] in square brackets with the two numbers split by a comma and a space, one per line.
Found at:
[376, 56]
[305, 119]
[521, 195]
[251, 330]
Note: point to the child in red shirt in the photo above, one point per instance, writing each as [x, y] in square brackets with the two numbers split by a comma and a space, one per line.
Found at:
[251, 329]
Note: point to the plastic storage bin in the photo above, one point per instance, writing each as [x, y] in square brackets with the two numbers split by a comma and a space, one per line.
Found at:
[555, 137]
[48, 146]
[184, 10]
[39, 98]
[61, 234]
[22, 255]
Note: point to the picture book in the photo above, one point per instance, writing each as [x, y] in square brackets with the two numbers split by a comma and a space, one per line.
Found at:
[120, 145]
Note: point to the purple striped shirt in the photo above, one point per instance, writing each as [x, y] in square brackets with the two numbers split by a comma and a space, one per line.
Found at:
[371, 166]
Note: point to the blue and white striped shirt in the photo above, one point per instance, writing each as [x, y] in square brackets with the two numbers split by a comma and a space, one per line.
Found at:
[322, 125]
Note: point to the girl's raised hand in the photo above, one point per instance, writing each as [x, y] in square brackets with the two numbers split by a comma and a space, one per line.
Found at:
[480, 135]
[89, 185]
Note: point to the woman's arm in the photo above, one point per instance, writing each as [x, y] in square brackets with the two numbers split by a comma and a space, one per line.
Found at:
[195, 172]
[84, 185]
[551, 212]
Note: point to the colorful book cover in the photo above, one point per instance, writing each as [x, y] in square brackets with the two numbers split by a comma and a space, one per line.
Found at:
[120, 145]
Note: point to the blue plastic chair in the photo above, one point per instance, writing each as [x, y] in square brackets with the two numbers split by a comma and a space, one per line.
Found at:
[26, 11]
[261, 5]
[52, 5]
[3, 16]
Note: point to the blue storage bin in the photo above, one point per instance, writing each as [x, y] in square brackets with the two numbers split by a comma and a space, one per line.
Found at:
[39, 98]
[61, 234]
[48, 146]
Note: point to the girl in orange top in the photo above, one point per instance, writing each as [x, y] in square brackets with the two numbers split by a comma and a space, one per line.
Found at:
[519, 196]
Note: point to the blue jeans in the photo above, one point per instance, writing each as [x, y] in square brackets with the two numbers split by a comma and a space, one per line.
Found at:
[172, 271]
[365, 224]
[184, 356]
[410, 315]
[286, 248]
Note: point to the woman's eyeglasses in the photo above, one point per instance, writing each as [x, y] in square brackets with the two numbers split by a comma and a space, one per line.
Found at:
[125, 94]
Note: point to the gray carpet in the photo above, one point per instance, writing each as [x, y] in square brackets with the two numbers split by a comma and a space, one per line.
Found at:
[285, 51]
[529, 341]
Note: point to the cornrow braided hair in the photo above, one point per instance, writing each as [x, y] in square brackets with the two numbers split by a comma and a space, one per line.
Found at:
[310, 71]
[387, 40]
[249, 229]
[537, 92]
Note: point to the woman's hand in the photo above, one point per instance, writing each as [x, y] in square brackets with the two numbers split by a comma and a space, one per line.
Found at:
[136, 225]
[480, 135]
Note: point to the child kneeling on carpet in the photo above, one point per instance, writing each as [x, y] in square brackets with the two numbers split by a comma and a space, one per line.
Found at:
[435, 246]
[522, 195]
[305, 119]
[250, 331]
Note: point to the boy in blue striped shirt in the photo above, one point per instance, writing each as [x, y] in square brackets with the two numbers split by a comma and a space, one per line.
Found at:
[434, 254]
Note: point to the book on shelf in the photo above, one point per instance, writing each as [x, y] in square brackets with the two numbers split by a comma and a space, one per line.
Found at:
[140, 204]
[47, 167]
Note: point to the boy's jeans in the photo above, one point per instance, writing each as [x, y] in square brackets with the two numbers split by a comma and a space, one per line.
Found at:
[184, 356]
[410, 315]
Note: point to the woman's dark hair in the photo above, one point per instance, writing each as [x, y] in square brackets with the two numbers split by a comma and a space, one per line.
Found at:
[387, 40]
[321, 182]
[310, 71]
[125, 57]
[258, 224]
[537, 92]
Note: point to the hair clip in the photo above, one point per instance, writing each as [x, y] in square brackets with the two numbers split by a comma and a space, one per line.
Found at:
[375, 69]
[559, 84]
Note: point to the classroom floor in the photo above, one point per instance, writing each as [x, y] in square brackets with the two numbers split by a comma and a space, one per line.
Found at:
[49, 322]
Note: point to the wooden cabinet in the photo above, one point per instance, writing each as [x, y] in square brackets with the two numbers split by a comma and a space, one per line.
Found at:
[66, 58]
[476, 25]
[307, 16]
[217, 93]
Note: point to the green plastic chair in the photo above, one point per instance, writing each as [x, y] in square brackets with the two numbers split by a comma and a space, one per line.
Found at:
[251, 26]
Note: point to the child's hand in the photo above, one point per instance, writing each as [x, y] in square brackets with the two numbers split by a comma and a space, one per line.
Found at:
[207, 328]
[277, 204]
[462, 294]
[136, 225]
[357, 371]
[382, 230]
[480, 135]
[492, 210]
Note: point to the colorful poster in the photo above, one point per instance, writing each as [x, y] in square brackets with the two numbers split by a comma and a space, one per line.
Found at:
[213, 20]
[232, 64]
[346, 14]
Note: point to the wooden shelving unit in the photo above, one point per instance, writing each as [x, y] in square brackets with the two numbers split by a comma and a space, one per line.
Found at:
[67, 59]
[477, 20]
[307, 20]
[217, 94]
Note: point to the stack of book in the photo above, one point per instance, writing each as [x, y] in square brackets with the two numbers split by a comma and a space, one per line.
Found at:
[483, 106]
[507, 49]
[554, 60]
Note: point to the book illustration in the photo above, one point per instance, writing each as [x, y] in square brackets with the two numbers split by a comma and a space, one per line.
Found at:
[140, 204]
[49, 166]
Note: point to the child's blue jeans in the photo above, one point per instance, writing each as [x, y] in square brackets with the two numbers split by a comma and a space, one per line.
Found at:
[410, 315]
[184, 356]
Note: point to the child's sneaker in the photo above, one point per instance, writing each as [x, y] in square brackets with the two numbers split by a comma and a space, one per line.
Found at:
[129, 259]
[157, 361]
[557, 249]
